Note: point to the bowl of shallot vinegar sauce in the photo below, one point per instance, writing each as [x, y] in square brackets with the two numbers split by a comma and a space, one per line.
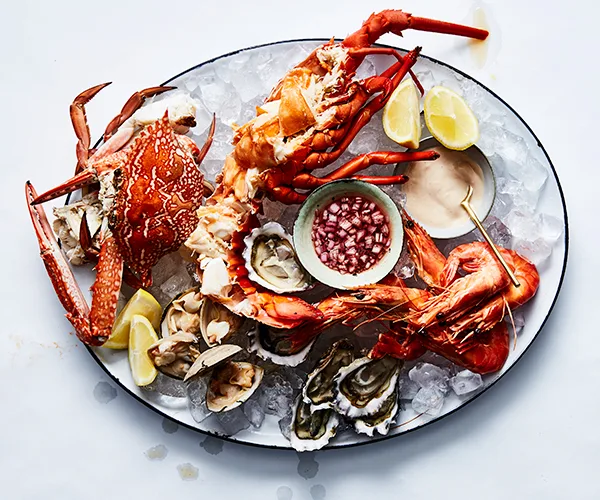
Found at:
[435, 189]
[348, 234]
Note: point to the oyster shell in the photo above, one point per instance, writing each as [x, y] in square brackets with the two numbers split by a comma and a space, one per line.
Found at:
[319, 388]
[231, 384]
[364, 386]
[272, 262]
[311, 430]
[217, 323]
[381, 420]
[182, 314]
[210, 358]
[175, 354]
[273, 344]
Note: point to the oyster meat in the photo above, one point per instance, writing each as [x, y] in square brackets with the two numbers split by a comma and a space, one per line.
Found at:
[364, 386]
[311, 430]
[273, 344]
[272, 262]
[381, 420]
[231, 384]
[319, 388]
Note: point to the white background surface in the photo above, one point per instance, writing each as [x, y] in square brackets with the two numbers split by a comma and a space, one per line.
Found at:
[533, 435]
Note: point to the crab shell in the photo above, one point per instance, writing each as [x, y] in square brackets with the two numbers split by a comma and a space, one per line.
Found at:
[380, 384]
[326, 429]
[235, 393]
[257, 263]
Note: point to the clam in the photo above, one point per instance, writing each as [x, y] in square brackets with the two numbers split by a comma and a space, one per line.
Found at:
[211, 358]
[273, 345]
[231, 384]
[319, 388]
[174, 355]
[272, 262]
[362, 387]
[217, 323]
[182, 314]
[311, 430]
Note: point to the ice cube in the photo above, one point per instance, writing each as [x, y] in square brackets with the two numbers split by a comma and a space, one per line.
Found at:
[428, 400]
[534, 174]
[285, 423]
[523, 225]
[426, 78]
[552, 228]
[276, 396]
[465, 382]
[295, 377]
[233, 421]
[366, 69]
[537, 251]
[405, 267]
[499, 233]
[196, 392]
[408, 388]
[427, 376]
[366, 141]
[167, 386]
[254, 412]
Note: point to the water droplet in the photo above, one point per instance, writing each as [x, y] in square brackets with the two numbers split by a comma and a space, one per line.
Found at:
[104, 392]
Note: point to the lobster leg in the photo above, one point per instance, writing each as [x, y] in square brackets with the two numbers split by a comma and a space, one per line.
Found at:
[80, 125]
[321, 159]
[396, 21]
[92, 328]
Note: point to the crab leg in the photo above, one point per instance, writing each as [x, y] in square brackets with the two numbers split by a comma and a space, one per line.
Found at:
[78, 181]
[79, 121]
[91, 328]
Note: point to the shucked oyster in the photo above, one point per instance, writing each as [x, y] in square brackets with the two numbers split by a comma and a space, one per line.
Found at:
[273, 344]
[319, 388]
[231, 384]
[381, 420]
[271, 260]
[311, 430]
[365, 385]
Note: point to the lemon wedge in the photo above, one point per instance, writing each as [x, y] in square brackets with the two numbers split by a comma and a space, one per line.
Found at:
[449, 119]
[401, 116]
[141, 336]
[141, 303]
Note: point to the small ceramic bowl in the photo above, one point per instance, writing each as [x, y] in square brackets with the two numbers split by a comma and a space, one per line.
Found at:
[482, 207]
[303, 242]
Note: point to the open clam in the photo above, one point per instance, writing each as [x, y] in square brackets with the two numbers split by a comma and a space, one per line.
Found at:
[272, 262]
[231, 384]
[182, 314]
[311, 430]
[365, 385]
[217, 323]
[174, 355]
[319, 388]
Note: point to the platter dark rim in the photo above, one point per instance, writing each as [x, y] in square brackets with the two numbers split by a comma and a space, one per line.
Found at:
[232, 439]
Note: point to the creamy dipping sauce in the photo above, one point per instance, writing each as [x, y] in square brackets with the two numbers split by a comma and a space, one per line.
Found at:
[436, 188]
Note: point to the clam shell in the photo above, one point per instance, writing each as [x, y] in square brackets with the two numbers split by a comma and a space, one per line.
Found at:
[217, 323]
[186, 303]
[210, 358]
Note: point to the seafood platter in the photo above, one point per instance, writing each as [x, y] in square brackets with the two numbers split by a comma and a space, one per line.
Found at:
[275, 245]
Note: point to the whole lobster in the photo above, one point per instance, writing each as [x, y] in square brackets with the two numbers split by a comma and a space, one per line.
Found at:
[306, 123]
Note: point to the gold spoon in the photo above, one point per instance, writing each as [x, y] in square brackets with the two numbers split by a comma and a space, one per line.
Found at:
[466, 204]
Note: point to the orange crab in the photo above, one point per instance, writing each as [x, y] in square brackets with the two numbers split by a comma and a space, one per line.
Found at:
[150, 189]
